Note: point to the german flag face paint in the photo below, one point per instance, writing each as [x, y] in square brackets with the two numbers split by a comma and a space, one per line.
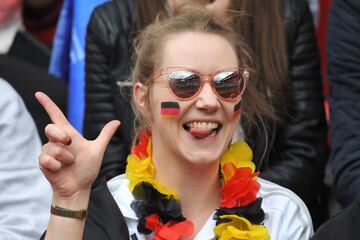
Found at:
[170, 109]
[237, 110]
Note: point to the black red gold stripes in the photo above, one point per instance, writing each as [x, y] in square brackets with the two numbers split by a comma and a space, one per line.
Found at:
[170, 109]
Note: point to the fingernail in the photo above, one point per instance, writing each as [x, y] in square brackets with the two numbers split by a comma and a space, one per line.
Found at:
[68, 142]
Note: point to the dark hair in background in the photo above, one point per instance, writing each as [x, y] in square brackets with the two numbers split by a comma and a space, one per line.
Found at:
[261, 24]
[147, 11]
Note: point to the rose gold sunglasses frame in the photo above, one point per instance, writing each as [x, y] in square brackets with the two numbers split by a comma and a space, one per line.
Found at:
[203, 78]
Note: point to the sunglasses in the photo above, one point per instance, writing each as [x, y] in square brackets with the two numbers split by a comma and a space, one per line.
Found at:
[186, 84]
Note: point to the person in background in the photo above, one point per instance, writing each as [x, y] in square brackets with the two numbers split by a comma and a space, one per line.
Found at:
[40, 18]
[282, 38]
[10, 23]
[109, 49]
[25, 194]
[289, 70]
[24, 60]
[343, 226]
[68, 54]
[26, 78]
[344, 80]
[187, 105]
[26, 29]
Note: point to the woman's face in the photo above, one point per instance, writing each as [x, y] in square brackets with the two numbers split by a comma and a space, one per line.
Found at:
[200, 131]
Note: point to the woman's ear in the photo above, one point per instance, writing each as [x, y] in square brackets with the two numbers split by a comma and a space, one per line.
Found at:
[140, 92]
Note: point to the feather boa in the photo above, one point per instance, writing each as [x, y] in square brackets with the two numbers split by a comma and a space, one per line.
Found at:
[158, 208]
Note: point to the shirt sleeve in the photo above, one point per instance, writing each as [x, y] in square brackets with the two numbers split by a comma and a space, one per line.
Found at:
[286, 215]
[25, 193]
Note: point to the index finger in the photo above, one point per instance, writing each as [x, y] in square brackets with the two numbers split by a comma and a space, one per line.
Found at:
[54, 112]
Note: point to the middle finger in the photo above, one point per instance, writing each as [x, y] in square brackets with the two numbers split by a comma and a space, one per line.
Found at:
[59, 152]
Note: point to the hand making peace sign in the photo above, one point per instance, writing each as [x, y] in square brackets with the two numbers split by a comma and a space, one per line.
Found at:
[70, 162]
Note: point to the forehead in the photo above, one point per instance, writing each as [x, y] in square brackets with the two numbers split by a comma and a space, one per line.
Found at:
[205, 52]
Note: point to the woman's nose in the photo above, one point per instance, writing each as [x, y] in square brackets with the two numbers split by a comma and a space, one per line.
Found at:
[207, 99]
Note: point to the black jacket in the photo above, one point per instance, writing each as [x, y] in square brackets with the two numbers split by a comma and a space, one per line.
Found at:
[344, 226]
[108, 64]
[344, 79]
[296, 156]
[25, 68]
[297, 152]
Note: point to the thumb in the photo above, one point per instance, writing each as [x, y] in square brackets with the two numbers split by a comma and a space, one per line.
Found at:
[107, 132]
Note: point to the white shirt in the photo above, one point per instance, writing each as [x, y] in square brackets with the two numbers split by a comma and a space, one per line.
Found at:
[286, 216]
[25, 195]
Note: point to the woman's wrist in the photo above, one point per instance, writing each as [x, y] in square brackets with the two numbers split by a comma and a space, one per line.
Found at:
[69, 213]
[67, 219]
[77, 201]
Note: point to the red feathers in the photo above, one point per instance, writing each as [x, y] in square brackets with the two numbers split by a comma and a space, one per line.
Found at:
[239, 190]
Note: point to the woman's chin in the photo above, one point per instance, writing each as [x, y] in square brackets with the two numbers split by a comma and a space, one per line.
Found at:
[201, 157]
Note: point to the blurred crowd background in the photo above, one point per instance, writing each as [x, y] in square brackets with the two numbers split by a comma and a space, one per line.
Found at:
[48, 45]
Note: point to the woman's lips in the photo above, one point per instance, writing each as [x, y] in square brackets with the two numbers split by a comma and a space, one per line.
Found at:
[200, 133]
[202, 129]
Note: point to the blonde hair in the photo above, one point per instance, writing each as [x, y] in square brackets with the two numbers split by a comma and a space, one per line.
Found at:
[148, 55]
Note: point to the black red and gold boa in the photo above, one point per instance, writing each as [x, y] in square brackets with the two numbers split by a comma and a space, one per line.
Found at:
[159, 211]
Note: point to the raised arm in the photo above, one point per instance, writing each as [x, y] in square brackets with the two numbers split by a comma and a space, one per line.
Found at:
[70, 163]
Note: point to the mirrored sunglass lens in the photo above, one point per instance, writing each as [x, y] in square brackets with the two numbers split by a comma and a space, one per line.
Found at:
[229, 84]
[184, 84]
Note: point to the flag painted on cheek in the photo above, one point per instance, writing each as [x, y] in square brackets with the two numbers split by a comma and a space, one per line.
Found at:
[237, 110]
[170, 109]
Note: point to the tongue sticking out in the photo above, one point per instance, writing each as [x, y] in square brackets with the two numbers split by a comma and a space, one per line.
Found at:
[200, 133]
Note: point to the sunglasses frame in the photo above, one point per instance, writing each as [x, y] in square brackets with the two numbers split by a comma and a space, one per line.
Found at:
[203, 78]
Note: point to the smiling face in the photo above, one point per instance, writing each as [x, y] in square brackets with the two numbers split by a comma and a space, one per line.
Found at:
[205, 125]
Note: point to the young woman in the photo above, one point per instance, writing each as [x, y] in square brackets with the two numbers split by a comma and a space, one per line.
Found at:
[192, 80]
[282, 38]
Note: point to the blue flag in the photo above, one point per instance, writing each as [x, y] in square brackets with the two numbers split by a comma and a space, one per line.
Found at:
[68, 56]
